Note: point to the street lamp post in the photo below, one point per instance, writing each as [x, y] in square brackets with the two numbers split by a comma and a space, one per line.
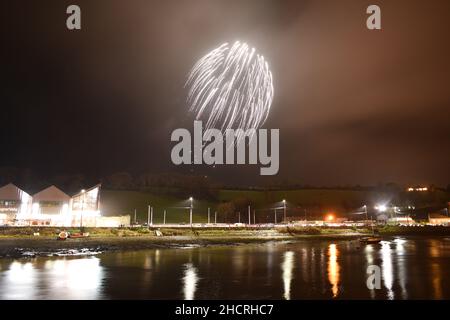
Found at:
[284, 210]
[151, 216]
[365, 210]
[191, 207]
[83, 192]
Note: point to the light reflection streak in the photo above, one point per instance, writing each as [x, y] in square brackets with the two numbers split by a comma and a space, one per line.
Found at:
[436, 272]
[369, 250]
[333, 269]
[20, 281]
[305, 264]
[387, 269]
[269, 264]
[67, 278]
[400, 258]
[190, 280]
[436, 280]
[287, 267]
[76, 278]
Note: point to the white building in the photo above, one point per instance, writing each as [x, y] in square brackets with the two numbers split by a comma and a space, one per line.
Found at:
[85, 211]
[437, 219]
[85, 207]
[53, 207]
[14, 203]
[401, 221]
[49, 207]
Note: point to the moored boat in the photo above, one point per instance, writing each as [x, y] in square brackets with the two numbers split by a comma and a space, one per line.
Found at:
[79, 235]
[370, 240]
[63, 235]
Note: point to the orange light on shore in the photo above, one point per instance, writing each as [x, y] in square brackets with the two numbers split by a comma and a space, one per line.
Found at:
[330, 217]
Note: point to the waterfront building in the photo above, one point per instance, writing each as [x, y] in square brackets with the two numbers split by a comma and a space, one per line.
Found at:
[437, 219]
[54, 208]
[14, 203]
[50, 207]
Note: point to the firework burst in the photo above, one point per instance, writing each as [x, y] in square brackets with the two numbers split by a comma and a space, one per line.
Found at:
[230, 88]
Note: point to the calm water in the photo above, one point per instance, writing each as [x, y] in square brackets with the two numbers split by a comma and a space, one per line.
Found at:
[410, 269]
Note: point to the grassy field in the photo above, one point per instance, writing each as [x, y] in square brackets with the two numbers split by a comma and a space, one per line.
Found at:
[169, 233]
[225, 233]
[304, 197]
[125, 202]
[177, 211]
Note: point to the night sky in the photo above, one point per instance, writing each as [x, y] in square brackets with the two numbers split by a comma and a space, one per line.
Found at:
[353, 106]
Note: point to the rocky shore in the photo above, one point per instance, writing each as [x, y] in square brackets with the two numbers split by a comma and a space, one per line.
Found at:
[22, 247]
[32, 242]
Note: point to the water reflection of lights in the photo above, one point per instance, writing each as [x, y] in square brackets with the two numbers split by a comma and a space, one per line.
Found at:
[387, 269]
[400, 242]
[157, 257]
[190, 280]
[287, 267]
[152, 261]
[436, 280]
[333, 269]
[305, 264]
[77, 278]
[70, 279]
[369, 251]
[436, 273]
[269, 264]
[435, 250]
[400, 258]
[19, 281]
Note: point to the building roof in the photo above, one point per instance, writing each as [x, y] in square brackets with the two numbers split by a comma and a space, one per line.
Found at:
[12, 192]
[51, 193]
[87, 190]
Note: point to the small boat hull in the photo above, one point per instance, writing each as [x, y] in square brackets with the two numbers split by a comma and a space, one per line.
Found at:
[63, 235]
[370, 240]
[79, 235]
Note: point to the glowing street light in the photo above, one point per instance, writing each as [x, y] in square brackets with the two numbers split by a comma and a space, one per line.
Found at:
[330, 217]
[284, 208]
[381, 208]
[365, 210]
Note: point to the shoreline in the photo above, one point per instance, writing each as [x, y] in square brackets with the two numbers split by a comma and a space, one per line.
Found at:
[13, 248]
[21, 243]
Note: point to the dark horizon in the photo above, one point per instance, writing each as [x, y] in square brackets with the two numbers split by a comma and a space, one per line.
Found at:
[354, 107]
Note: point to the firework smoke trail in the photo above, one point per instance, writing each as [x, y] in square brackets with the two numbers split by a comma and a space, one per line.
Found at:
[230, 88]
